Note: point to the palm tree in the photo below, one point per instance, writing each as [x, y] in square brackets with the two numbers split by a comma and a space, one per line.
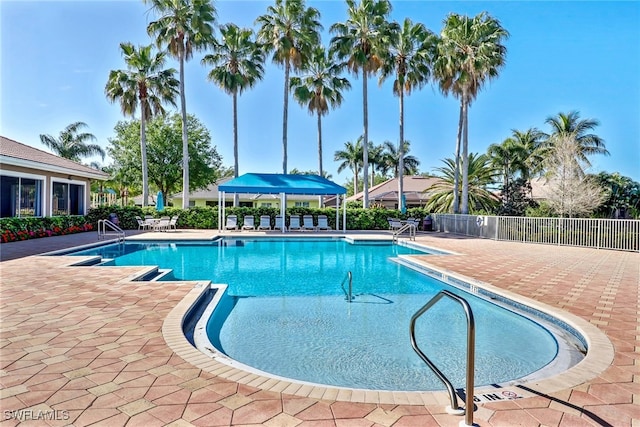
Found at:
[237, 65]
[569, 125]
[481, 176]
[376, 159]
[320, 88]
[470, 52]
[392, 159]
[362, 40]
[509, 158]
[351, 158]
[146, 84]
[71, 144]
[184, 26]
[410, 60]
[289, 30]
[531, 140]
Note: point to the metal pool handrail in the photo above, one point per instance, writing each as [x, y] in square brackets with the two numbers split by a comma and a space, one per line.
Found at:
[348, 295]
[471, 327]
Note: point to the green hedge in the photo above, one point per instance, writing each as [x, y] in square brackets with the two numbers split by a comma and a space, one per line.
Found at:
[194, 218]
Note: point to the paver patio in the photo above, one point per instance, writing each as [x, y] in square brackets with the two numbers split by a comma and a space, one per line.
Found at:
[85, 345]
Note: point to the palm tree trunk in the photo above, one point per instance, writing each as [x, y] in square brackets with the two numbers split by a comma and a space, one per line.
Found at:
[401, 149]
[185, 139]
[319, 144]
[355, 178]
[365, 143]
[464, 208]
[143, 155]
[456, 172]
[236, 200]
[284, 116]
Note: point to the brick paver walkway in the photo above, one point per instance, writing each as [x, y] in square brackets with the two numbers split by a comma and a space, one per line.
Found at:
[84, 346]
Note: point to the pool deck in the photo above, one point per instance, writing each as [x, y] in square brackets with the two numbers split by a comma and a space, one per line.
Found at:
[89, 346]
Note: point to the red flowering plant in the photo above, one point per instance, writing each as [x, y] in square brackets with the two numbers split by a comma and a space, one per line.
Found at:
[24, 228]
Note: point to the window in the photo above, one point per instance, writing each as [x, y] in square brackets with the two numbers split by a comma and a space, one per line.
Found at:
[192, 203]
[21, 196]
[302, 204]
[67, 199]
[210, 203]
[265, 205]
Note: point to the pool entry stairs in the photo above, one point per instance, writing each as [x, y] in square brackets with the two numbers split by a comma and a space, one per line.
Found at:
[108, 228]
[453, 408]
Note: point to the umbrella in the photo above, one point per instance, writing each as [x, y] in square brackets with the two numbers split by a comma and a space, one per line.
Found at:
[159, 202]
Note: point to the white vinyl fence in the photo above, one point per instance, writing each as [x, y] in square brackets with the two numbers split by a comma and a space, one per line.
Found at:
[618, 234]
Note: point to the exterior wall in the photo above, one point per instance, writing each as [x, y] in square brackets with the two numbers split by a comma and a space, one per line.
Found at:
[275, 203]
[48, 179]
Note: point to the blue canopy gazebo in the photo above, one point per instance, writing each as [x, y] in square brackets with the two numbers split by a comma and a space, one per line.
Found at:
[265, 183]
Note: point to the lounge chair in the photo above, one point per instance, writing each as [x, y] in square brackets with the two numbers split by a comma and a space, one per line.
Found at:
[232, 222]
[294, 223]
[323, 223]
[279, 223]
[265, 222]
[248, 223]
[307, 223]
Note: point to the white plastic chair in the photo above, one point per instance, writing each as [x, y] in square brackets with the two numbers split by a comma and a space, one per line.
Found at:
[307, 223]
[265, 222]
[248, 223]
[173, 224]
[294, 223]
[323, 223]
[279, 223]
[232, 222]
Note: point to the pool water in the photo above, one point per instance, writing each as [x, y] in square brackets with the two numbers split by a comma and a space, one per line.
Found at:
[285, 313]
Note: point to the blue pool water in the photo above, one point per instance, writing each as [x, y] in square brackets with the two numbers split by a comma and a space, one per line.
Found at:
[285, 313]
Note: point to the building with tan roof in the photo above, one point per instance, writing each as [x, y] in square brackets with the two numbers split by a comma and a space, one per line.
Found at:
[34, 183]
[414, 188]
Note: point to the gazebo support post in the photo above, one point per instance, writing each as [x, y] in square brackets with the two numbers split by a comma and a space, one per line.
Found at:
[344, 213]
[283, 209]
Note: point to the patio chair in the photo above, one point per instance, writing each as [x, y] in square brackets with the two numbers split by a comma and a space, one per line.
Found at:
[232, 222]
[279, 224]
[394, 224]
[323, 223]
[248, 223]
[141, 224]
[307, 223]
[294, 223]
[265, 222]
[163, 224]
[173, 224]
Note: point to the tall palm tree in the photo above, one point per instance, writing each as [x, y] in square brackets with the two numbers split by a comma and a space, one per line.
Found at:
[509, 158]
[183, 26]
[71, 144]
[376, 160]
[531, 139]
[351, 158]
[482, 175]
[409, 60]
[470, 52]
[320, 87]
[362, 40]
[145, 84]
[570, 125]
[409, 163]
[289, 29]
[238, 63]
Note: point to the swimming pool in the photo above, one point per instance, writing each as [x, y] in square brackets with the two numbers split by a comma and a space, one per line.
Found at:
[279, 289]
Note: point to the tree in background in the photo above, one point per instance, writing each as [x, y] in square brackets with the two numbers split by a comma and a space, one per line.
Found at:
[72, 144]
[238, 64]
[145, 83]
[622, 196]
[482, 175]
[509, 158]
[164, 136]
[409, 59]
[362, 41]
[183, 26]
[318, 88]
[351, 158]
[569, 191]
[290, 30]
[516, 198]
[392, 161]
[570, 126]
[470, 52]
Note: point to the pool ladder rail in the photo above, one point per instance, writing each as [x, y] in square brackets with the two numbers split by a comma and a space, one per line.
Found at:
[454, 408]
[107, 228]
[348, 294]
[410, 227]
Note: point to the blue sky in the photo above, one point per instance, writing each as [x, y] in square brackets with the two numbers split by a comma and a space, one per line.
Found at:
[562, 56]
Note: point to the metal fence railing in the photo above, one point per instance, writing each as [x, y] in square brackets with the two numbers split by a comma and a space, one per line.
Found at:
[617, 234]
